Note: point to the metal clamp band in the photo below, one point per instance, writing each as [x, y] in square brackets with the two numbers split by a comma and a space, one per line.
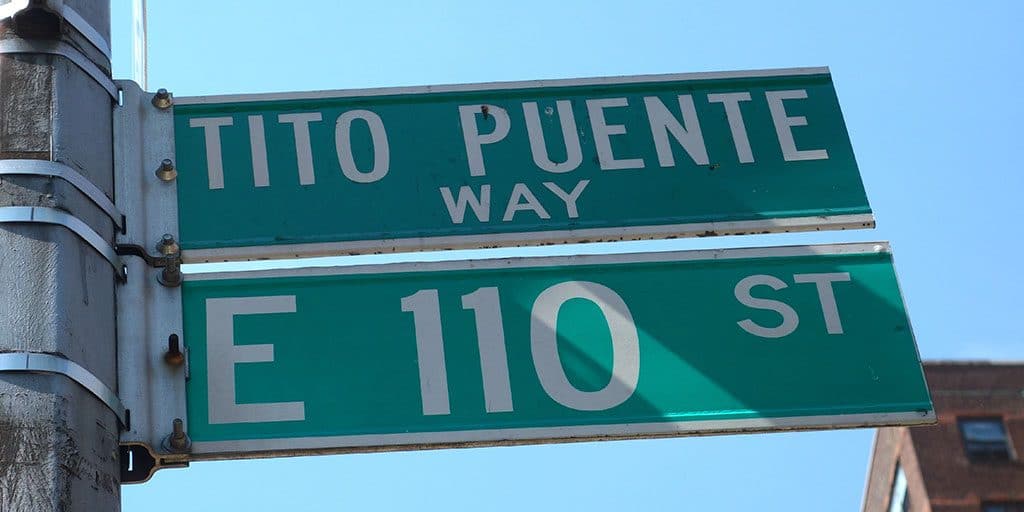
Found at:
[64, 50]
[48, 363]
[68, 174]
[53, 216]
[76, 20]
[68, 14]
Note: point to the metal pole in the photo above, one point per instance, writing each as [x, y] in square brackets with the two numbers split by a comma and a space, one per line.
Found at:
[58, 440]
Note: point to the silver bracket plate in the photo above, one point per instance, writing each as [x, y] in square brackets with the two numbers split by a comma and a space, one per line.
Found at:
[13, 7]
[64, 50]
[44, 215]
[49, 363]
[148, 312]
[66, 173]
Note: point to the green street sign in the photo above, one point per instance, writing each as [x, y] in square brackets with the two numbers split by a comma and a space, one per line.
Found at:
[303, 174]
[508, 351]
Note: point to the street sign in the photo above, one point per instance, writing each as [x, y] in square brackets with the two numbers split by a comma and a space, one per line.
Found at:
[510, 351]
[380, 170]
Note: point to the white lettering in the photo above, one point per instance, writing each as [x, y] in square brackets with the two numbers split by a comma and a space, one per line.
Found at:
[826, 296]
[223, 354]
[258, 149]
[568, 198]
[303, 150]
[689, 136]
[548, 363]
[731, 102]
[519, 192]
[784, 126]
[790, 320]
[214, 163]
[343, 145]
[426, 317]
[573, 153]
[490, 334]
[603, 132]
[474, 139]
[457, 208]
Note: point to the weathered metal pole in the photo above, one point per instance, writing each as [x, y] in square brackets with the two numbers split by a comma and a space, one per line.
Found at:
[58, 438]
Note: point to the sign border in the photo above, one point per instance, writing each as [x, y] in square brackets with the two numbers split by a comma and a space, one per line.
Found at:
[529, 238]
[295, 446]
[276, 447]
[570, 260]
[499, 86]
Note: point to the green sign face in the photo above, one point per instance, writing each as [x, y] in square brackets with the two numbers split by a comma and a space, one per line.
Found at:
[514, 163]
[499, 351]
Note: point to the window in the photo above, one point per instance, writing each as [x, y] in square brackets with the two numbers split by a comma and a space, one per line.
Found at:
[899, 498]
[1005, 506]
[984, 439]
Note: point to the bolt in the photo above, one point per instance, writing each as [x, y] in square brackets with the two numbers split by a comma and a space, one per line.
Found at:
[163, 99]
[174, 356]
[170, 276]
[167, 245]
[166, 171]
[178, 441]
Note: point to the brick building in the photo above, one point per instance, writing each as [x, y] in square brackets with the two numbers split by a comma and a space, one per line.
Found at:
[971, 461]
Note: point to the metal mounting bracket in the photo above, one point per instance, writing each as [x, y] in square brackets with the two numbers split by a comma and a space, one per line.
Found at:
[64, 50]
[170, 263]
[68, 174]
[49, 363]
[139, 462]
[13, 7]
[152, 350]
[155, 261]
[44, 215]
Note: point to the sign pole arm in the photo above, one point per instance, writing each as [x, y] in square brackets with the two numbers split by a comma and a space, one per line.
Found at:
[140, 44]
[60, 439]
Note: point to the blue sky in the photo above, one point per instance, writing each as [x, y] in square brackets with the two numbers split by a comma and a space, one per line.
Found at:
[931, 95]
